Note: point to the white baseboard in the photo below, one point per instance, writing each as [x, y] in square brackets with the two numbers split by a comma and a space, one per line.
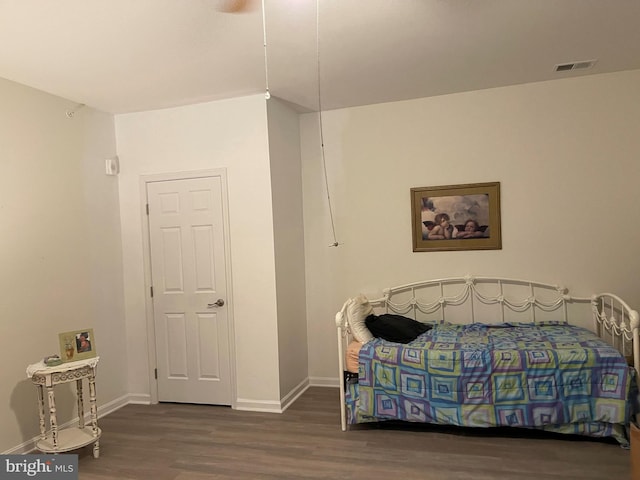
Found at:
[324, 382]
[140, 398]
[248, 405]
[109, 407]
[273, 406]
[293, 395]
[26, 447]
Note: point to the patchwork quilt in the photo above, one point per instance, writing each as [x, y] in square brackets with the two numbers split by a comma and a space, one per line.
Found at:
[547, 376]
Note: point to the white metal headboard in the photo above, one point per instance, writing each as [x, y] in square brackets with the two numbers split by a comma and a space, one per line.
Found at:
[469, 293]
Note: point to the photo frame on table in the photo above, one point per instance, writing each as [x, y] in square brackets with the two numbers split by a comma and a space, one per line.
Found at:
[456, 217]
[77, 345]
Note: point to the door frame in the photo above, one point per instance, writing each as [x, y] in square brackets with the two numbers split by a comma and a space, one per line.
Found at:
[146, 254]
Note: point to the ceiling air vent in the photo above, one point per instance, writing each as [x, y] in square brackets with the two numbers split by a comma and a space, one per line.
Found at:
[565, 67]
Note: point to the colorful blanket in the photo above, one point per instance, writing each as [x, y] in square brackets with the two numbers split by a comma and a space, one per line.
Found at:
[554, 377]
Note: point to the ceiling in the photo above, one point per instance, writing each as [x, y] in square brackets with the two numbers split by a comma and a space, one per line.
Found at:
[133, 55]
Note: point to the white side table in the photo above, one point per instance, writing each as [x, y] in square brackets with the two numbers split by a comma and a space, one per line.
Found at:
[54, 440]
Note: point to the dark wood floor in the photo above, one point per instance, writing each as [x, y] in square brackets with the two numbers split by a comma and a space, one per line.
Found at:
[181, 442]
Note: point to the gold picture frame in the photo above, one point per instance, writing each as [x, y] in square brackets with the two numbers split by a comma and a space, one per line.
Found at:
[456, 217]
[77, 345]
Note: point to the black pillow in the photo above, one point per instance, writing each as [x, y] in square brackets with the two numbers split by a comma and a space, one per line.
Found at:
[395, 328]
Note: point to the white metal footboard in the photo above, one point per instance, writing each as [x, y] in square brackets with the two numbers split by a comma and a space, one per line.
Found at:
[344, 333]
[482, 299]
[616, 322]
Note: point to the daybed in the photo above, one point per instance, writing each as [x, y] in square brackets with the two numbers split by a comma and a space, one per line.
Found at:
[501, 352]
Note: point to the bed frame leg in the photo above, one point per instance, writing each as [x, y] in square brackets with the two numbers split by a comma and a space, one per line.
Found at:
[343, 412]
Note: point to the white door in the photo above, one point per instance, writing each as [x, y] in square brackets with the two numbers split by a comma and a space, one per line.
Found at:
[186, 230]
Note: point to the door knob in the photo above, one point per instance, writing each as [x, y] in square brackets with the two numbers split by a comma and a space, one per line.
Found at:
[217, 303]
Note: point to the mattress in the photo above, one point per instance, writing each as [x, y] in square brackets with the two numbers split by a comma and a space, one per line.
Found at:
[547, 376]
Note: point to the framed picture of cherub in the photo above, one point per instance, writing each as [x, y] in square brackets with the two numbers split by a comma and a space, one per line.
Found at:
[456, 217]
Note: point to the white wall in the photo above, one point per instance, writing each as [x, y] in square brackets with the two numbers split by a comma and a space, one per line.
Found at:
[566, 153]
[229, 134]
[59, 250]
[286, 186]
